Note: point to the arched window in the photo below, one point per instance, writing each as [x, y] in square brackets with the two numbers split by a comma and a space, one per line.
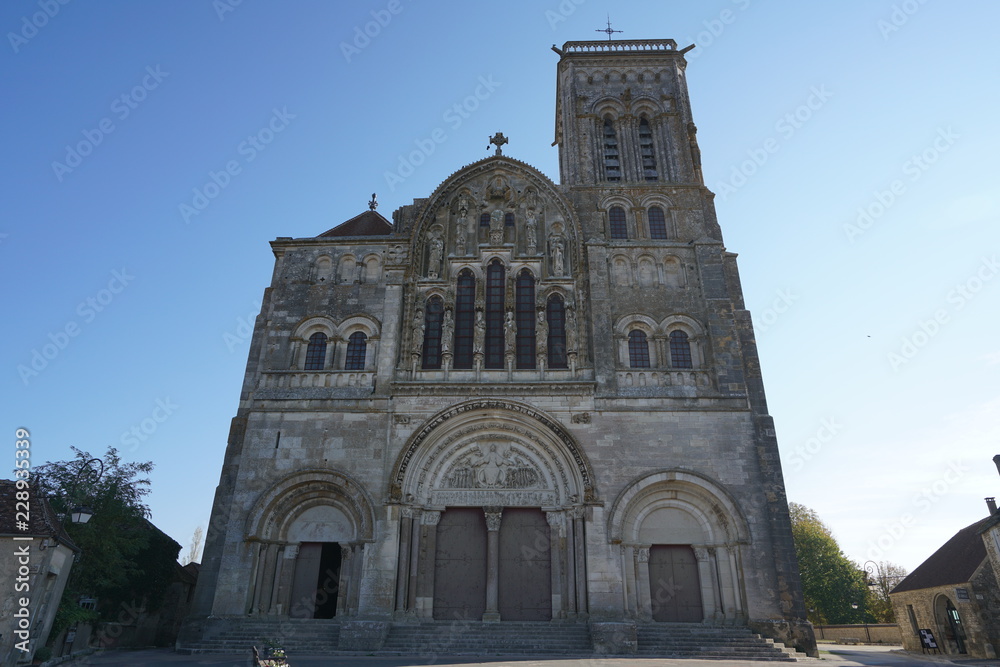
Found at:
[357, 348]
[508, 220]
[555, 313]
[484, 220]
[680, 350]
[525, 314]
[638, 349]
[612, 163]
[316, 352]
[616, 217]
[433, 316]
[657, 223]
[647, 151]
[494, 314]
[465, 318]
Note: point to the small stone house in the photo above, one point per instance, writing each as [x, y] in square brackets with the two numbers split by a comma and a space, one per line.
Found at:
[954, 594]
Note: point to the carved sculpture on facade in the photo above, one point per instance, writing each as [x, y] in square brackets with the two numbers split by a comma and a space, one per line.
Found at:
[460, 238]
[496, 227]
[541, 335]
[571, 338]
[510, 333]
[531, 235]
[558, 249]
[436, 255]
[479, 334]
[418, 332]
[447, 331]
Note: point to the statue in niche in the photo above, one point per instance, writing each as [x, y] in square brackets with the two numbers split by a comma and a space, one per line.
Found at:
[558, 248]
[531, 234]
[447, 332]
[479, 334]
[496, 227]
[498, 188]
[436, 255]
[510, 333]
[541, 333]
[531, 199]
[570, 329]
[463, 206]
[460, 248]
[418, 331]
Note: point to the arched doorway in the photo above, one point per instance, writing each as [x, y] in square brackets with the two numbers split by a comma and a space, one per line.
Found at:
[307, 536]
[681, 536]
[950, 625]
[491, 497]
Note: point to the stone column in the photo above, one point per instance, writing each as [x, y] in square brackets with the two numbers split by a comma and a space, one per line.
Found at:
[279, 602]
[628, 572]
[260, 556]
[641, 555]
[569, 581]
[346, 580]
[556, 522]
[580, 549]
[403, 563]
[357, 569]
[428, 550]
[415, 540]
[707, 579]
[493, 517]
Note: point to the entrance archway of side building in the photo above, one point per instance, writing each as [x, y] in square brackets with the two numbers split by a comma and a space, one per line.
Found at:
[307, 535]
[681, 537]
[491, 497]
[949, 624]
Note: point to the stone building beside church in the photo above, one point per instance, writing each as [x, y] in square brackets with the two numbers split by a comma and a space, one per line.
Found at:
[516, 401]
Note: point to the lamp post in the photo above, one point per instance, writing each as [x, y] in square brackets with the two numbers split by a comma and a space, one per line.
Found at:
[79, 513]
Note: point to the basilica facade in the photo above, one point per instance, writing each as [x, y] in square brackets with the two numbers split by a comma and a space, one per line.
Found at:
[518, 400]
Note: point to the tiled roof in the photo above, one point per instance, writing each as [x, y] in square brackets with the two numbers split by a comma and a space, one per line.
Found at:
[42, 519]
[954, 563]
[369, 223]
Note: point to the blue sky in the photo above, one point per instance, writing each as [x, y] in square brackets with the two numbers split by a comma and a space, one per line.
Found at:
[153, 149]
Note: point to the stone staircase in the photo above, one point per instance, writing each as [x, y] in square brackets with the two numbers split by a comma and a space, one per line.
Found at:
[707, 643]
[299, 636]
[429, 639]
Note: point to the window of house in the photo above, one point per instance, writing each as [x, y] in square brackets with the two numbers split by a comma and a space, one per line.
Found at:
[525, 314]
[647, 152]
[465, 318]
[638, 349]
[680, 350]
[433, 316]
[494, 314]
[612, 161]
[616, 218]
[556, 316]
[657, 223]
[316, 352]
[357, 349]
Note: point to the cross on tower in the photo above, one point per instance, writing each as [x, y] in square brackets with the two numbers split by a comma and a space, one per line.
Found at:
[608, 29]
[497, 140]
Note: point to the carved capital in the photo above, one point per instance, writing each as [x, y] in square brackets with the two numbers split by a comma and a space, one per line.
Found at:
[493, 516]
[431, 518]
[407, 512]
[700, 553]
[642, 554]
[555, 519]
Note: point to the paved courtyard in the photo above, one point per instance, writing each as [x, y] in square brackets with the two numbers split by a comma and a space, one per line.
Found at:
[831, 656]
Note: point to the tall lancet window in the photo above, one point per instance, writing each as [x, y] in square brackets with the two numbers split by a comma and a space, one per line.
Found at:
[647, 151]
[525, 304]
[433, 316]
[465, 318]
[556, 315]
[494, 314]
[612, 160]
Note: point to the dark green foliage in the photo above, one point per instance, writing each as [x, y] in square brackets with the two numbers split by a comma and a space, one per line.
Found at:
[831, 582]
[125, 561]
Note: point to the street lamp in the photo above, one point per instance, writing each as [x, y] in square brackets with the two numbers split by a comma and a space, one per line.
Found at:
[79, 513]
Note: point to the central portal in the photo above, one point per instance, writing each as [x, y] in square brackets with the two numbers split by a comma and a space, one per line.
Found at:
[523, 560]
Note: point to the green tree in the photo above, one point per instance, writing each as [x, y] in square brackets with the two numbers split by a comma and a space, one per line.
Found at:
[125, 562]
[833, 585]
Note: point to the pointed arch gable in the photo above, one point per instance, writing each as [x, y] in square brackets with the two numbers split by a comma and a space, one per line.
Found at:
[563, 469]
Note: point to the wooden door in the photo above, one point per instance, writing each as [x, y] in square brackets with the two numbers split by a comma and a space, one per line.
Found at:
[525, 566]
[675, 587]
[460, 565]
[303, 601]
